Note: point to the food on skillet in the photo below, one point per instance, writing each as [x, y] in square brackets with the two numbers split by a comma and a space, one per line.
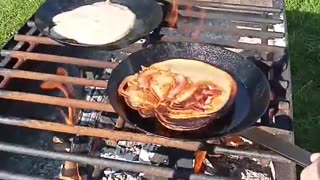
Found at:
[182, 94]
[96, 24]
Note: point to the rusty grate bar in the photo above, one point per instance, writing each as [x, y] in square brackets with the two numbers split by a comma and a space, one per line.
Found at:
[56, 101]
[254, 33]
[235, 31]
[47, 41]
[128, 136]
[58, 59]
[51, 77]
[102, 133]
[210, 3]
[259, 47]
[112, 163]
[251, 18]
[35, 39]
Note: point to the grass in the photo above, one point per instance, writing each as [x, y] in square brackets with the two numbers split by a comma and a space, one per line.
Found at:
[13, 14]
[304, 47]
[304, 44]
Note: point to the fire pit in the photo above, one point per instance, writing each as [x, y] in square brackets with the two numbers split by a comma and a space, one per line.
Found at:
[96, 143]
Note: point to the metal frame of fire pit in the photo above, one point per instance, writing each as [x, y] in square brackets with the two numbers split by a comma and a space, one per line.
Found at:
[252, 16]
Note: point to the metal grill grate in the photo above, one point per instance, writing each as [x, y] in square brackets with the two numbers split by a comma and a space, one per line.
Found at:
[223, 24]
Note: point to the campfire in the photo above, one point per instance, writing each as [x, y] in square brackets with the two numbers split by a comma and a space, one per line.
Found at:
[92, 142]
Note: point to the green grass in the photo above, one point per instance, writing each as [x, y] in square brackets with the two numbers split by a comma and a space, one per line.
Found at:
[304, 43]
[13, 14]
[304, 48]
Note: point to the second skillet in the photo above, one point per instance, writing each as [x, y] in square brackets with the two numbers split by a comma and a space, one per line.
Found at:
[251, 100]
[148, 17]
[250, 103]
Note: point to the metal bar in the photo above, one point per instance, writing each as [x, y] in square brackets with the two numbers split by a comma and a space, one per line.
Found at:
[259, 47]
[258, 154]
[10, 176]
[5, 61]
[102, 133]
[59, 59]
[229, 16]
[128, 136]
[283, 147]
[228, 7]
[36, 39]
[31, 24]
[51, 77]
[57, 101]
[112, 163]
[240, 32]
[47, 41]
[210, 3]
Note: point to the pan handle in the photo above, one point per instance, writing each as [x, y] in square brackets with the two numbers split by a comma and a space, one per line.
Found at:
[270, 141]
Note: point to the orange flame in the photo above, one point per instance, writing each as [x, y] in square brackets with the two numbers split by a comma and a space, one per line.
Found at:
[196, 33]
[67, 90]
[200, 156]
[173, 15]
[188, 9]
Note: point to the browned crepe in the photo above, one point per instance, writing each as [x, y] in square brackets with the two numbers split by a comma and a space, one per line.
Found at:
[182, 94]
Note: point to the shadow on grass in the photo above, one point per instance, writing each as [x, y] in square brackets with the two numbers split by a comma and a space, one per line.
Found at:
[304, 52]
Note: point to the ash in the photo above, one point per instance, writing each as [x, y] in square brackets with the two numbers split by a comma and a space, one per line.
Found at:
[146, 154]
[250, 174]
[132, 152]
[238, 168]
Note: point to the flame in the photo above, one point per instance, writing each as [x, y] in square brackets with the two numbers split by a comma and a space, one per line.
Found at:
[62, 72]
[173, 15]
[196, 33]
[67, 90]
[200, 156]
[188, 9]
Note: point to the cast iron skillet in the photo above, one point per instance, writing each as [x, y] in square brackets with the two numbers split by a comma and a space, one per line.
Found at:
[148, 17]
[251, 101]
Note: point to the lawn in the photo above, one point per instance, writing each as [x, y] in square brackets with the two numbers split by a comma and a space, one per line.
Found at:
[304, 44]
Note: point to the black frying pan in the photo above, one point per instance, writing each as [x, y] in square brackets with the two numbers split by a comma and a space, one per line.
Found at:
[251, 101]
[148, 17]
